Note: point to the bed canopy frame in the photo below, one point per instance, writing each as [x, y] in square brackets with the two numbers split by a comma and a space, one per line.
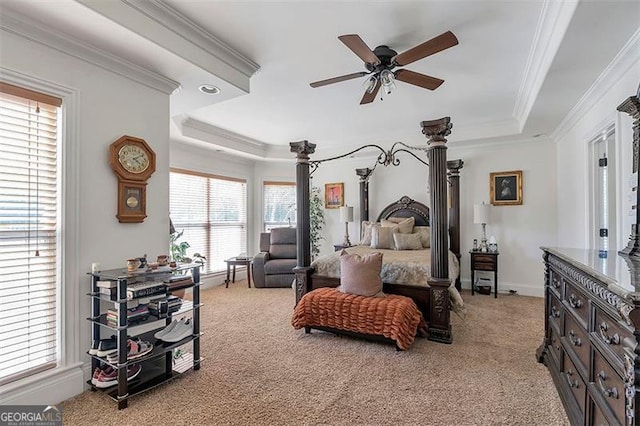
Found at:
[436, 311]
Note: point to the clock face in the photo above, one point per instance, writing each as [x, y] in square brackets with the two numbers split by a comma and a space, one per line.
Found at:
[133, 158]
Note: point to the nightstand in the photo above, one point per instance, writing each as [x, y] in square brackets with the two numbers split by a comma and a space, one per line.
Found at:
[338, 247]
[484, 261]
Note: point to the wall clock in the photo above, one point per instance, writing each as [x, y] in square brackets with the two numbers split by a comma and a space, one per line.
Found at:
[133, 162]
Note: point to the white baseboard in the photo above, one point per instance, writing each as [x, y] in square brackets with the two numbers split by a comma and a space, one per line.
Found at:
[47, 388]
[519, 288]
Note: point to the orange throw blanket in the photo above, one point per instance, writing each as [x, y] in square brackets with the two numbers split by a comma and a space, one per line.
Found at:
[394, 317]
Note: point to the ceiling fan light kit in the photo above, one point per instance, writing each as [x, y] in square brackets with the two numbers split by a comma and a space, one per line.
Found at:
[381, 61]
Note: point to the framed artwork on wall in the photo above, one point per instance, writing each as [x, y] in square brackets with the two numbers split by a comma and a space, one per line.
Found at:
[333, 195]
[506, 188]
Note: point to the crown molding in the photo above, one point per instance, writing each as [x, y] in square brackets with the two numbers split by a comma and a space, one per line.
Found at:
[625, 59]
[554, 20]
[160, 23]
[222, 138]
[29, 29]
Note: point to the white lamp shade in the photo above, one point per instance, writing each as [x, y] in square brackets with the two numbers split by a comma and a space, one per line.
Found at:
[481, 213]
[346, 214]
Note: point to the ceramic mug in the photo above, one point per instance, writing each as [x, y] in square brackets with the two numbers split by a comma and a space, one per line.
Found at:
[163, 259]
[133, 264]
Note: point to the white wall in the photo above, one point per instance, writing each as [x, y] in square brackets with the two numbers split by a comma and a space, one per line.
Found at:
[573, 198]
[101, 106]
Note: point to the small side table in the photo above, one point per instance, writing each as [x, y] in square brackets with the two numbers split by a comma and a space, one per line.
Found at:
[338, 247]
[484, 261]
[234, 261]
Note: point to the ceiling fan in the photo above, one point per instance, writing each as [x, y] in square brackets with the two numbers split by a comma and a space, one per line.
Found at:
[380, 62]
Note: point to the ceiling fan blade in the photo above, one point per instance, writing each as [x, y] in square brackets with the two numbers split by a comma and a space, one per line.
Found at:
[435, 45]
[418, 79]
[360, 48]
[369, 97]
[338, 79]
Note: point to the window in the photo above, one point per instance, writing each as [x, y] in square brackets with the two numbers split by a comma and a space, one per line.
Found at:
[29, 249]
[212, 212]
[279, 205]
[603, 190]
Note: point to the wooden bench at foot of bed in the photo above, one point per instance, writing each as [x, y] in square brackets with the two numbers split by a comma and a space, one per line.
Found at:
[391, 318]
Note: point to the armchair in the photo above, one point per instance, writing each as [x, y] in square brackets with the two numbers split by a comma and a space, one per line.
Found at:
[273, 266]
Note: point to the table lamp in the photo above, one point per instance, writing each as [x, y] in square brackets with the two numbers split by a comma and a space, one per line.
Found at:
[481, 215]
[346, 216]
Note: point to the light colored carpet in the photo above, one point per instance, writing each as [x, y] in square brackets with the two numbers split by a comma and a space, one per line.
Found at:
[258, 370]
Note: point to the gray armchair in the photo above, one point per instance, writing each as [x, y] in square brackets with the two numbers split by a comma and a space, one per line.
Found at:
[273, 266]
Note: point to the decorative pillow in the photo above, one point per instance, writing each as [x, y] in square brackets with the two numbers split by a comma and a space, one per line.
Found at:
[365, 239]
[382, 237]
[405, 224]
[425, 235]
[361, 274]
[407, 241]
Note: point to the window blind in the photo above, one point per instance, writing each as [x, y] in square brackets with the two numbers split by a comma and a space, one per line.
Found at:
[28, 232]
[279, 207]
[212, 212]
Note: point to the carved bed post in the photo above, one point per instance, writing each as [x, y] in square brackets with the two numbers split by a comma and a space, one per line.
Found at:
[454, 167]
[303, 254]
[364, 192]
[439, 321]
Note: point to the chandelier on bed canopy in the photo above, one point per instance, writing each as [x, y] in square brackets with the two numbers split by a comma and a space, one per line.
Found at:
[385, 158]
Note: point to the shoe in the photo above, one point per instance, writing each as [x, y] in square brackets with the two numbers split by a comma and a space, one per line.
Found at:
[107, 346]
[135, 349]
[167, 329]
[94, 347]
[100, 371]
[109, 379]
[179, 332]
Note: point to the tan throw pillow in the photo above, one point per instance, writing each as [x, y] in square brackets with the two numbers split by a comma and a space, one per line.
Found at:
[425, 235]
[382, 237]
[405, 225]
[365, 239]
[407, 241]
[361, 274]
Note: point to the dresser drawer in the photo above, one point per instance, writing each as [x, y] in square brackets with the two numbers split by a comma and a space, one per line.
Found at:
[576, 340]
[612, 336]
[609, 385]
[574, 382]
[555, 282]
[484, 258]
[598, 418]
[576, 302]
[556, 346]
[555, 312]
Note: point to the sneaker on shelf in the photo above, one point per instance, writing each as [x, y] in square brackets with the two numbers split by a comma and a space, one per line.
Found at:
[136, 348]
[179, 332]
[167, 329]
[94, 347]
[100, 371]
[107, 346]
[106, 380]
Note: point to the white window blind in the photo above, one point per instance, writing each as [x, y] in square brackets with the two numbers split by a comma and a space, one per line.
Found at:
[279, 205]
[212, 212]
[28, 232]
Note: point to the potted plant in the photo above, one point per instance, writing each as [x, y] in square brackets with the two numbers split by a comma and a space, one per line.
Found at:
[316, 213]
[178, 249]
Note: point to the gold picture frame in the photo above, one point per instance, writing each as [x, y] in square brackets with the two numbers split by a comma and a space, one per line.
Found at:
[506, 188]
[333, 195]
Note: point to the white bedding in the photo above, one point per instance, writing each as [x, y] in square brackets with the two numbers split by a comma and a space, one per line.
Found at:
[398, 267]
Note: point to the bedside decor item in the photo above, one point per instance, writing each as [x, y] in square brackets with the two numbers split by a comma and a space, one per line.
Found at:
[506, 188]
[333, 195]
[346, 216]
[481, 214]
[133, 162]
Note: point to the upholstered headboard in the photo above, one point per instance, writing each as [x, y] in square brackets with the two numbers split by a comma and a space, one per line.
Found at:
[406, 207]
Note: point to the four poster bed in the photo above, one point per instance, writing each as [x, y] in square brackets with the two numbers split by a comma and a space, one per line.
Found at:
[427, 276]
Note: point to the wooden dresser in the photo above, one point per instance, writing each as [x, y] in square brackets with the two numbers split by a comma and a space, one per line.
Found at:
[589, 347]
